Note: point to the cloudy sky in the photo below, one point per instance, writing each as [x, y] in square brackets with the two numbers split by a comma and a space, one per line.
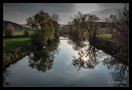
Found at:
[18, 12]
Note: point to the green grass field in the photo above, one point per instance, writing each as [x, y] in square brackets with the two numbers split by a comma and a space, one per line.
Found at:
[10, 44]
[18, 32]
[21, 32]
[104, 36]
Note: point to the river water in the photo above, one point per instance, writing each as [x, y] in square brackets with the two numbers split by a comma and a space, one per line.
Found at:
[62, 68]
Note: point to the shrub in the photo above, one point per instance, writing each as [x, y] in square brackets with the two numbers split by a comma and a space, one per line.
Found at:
[26, 33]
[6, 59]
[9, 30]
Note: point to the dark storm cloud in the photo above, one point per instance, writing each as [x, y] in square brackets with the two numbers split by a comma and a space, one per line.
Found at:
[16, 11]
[106, 9]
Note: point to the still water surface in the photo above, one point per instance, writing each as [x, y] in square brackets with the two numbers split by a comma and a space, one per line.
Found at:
[59, 70]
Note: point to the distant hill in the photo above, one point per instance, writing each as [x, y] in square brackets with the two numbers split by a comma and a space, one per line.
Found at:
[17, 26]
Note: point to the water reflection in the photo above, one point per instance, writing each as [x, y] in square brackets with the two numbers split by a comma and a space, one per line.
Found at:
[120, 73]
[42, 60]
[5, 74]
[77, 45]
[86, 52]
[12, 58]
[99, 70]
[88, 59]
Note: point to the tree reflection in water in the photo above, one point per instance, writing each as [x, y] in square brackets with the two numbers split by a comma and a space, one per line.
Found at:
[87, 59]
[77, 45]
[120, 73]
[87, 55]
[42, 60]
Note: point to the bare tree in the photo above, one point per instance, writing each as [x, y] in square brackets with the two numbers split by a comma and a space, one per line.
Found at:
[87, 23]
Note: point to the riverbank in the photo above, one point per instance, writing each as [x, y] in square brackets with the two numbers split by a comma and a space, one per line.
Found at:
[9, 44]
[14, 49]
[110, 47]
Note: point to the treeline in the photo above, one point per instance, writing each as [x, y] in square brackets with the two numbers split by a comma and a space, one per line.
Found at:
[120, 25]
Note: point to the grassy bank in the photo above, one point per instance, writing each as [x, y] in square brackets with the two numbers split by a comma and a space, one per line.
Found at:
[10, 44]
[104, 36]
[18, 32]
[21, 32]
[14, 49]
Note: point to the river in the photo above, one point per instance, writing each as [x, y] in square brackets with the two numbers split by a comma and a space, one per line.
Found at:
[63, 68]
